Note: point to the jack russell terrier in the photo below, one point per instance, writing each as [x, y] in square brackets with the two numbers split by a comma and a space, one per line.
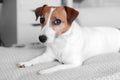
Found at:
[68, 42]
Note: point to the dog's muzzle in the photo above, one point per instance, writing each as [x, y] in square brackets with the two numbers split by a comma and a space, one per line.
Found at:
[42, 38]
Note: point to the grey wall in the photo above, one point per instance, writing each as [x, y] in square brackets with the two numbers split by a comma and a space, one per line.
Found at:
[0, 16]
[8, 28]
[0, 9]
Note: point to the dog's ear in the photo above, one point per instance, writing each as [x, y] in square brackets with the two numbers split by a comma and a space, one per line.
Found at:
[38, 11]
[71, 14]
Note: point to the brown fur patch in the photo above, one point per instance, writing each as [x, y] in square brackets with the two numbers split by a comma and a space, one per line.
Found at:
[71, 14]
[60, 13]
[42, 11]
[66, 14]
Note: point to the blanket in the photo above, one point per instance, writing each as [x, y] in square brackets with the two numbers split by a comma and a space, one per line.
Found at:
[100, 67]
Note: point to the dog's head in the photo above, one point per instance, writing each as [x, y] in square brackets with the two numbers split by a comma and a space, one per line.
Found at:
[54, 21]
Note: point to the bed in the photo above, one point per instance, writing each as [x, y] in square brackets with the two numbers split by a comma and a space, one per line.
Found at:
[101, 67]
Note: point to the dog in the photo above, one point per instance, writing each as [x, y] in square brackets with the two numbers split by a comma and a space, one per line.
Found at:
[68, 42]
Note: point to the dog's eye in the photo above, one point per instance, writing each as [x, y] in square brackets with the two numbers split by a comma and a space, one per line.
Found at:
[42, 19]
[57, 22]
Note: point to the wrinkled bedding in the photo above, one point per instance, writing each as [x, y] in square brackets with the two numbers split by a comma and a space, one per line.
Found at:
[101, 67]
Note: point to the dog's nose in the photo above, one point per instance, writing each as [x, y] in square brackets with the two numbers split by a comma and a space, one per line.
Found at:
[42, 38]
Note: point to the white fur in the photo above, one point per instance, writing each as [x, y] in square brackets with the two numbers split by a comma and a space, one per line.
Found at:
[76, 45]
[47, 30]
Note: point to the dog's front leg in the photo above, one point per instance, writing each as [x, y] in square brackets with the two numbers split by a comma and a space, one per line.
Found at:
[45, 57]
[57, 68]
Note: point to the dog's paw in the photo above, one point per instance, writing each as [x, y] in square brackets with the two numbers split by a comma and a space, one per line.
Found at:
[24, 64]
[21, 65]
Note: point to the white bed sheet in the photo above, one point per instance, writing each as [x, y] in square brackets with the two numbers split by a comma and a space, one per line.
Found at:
[101, 67]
